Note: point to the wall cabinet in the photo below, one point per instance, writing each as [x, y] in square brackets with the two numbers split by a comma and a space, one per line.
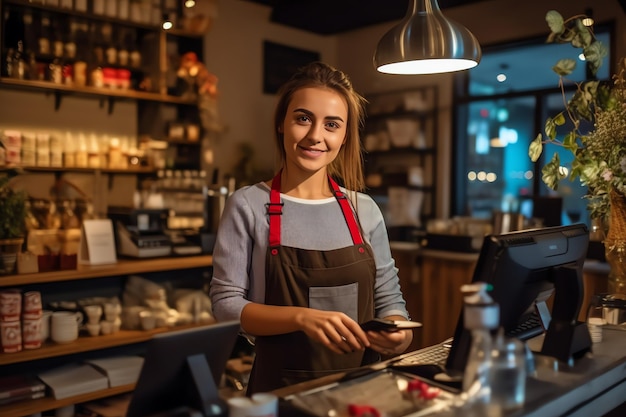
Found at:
[399, 138]
[94, 279]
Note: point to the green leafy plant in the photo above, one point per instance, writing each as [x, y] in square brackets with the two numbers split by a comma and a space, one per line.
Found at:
[597, 112]
[12, 210]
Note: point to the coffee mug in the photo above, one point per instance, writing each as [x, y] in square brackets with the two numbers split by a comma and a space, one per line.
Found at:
[64, 326]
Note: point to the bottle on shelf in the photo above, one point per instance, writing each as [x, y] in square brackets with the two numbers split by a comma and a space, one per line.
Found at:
[93, 152]
[69, 151]
[19, 68]
[82, 53]
[30, 32]
[82, 156]
[481, 316]
[69, 40]
[56, 38]
[122, 49]
[45, 33]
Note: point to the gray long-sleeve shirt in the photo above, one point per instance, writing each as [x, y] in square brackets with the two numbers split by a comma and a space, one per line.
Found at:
[242, 241]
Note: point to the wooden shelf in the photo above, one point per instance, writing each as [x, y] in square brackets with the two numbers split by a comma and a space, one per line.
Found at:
[130, 171]
[122, 267]
[28, 407]
[105, 93]
[85, 344]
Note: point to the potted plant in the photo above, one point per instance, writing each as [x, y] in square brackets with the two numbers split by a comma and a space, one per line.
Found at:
[12, 226]
[595, 120]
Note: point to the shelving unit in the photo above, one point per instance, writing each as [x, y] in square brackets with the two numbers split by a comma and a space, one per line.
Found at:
[152, 84]
[400, 137]
[88, 343]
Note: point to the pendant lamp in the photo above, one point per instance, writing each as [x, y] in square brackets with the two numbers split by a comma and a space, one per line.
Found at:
[426, 42]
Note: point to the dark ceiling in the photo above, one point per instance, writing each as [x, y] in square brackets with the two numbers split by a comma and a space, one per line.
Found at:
[329, 17]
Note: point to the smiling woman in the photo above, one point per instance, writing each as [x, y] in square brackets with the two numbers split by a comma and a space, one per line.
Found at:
[301, 261]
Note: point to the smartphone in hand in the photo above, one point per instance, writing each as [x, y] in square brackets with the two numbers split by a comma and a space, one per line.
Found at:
[383, 325]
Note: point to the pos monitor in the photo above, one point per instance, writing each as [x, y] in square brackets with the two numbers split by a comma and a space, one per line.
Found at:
[182, 370]
[525, 269]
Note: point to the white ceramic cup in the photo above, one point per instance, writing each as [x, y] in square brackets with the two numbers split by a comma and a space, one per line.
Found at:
[106, 327]
[112, 311]
[94, 313]
[93, 328]
[595, 325]
[45, 325]
[260, 404]
[64, 326]
[148, 320]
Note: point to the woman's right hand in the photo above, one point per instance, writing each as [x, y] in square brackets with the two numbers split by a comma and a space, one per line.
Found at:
[333, 329]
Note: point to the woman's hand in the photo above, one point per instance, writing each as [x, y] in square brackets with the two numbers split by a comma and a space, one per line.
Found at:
[333, 329]
[390, 343]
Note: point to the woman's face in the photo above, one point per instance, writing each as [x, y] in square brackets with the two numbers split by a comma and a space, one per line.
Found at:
[314, 128]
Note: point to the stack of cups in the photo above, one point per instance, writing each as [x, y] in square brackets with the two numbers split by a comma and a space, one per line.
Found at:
[595, 319]
[112, 321]
[94, 313]
[10, 325]
[32, 320]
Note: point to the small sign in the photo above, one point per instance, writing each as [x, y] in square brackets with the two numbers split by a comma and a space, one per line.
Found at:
[97, 243]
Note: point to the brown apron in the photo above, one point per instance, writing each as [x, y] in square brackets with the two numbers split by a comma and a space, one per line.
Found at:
[340, 280]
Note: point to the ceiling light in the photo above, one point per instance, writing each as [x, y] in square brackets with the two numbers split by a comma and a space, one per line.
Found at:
[425, 42]
[189, 3]
[167, 22]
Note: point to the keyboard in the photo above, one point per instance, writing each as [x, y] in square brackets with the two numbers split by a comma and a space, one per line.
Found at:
[529, 327]
[431, 355]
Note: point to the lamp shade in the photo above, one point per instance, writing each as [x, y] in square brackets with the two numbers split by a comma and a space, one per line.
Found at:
[426, 42]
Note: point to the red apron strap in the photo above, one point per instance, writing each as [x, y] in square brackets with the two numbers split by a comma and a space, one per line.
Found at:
[275, 210]
[347, 212]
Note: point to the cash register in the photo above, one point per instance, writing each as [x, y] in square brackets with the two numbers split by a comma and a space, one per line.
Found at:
[140, 233]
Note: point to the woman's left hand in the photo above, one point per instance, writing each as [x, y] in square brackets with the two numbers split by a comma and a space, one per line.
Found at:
[390, 343]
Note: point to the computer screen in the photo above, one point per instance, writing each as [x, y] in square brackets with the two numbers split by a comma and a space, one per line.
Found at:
[183, 368]
[525, 268]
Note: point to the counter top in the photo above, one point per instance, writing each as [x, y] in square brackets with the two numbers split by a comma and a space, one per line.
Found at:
[591, 386]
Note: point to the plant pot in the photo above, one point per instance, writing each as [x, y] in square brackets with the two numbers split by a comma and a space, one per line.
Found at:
[9, 248]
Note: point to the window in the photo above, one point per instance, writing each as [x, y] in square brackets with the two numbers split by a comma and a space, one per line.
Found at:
[499, 111]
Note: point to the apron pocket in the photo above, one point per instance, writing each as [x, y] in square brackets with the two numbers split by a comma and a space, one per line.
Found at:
[343, 298]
